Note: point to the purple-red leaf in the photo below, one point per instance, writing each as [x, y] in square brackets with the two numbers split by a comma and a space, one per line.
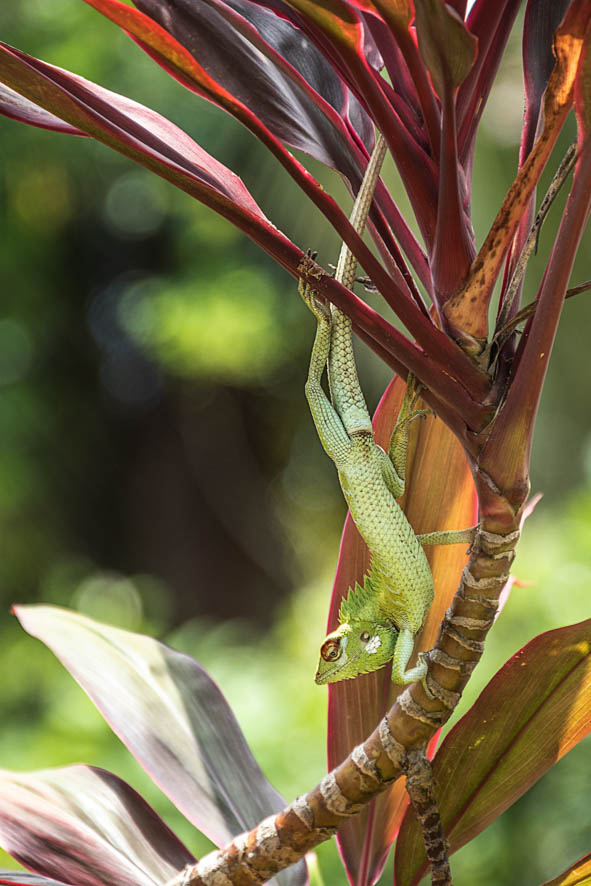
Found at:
[448, 50]
[533, 711]
[86, 827]
[440, 495]
[171, 715]
[447, 46]
[339, 31]
[22, 878]
[490, 24]
[160, 146]
[146, 137]
[14, 105]
[275, 71]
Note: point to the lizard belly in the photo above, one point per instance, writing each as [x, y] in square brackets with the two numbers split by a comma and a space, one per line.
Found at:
[399, 566]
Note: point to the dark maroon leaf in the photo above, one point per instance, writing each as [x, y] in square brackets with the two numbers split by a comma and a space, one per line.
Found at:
[87, 827]
[542, 18]
[491, 24]
[338, 30]
[448, 50]
[156, 143]
[174, 57]
[171, 715]
[270, 66]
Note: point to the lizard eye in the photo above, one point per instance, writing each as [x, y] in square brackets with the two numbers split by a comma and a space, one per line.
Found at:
[330, 650]
[364, 637]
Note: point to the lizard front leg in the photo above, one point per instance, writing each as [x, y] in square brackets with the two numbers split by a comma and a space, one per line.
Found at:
[402, 653]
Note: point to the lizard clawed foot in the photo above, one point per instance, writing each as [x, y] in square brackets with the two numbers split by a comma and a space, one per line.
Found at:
[417, 413]
[314, 302]
[408, 413]
[422, 660]
[318, 306]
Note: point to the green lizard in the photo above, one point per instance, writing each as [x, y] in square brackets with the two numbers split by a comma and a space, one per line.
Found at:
[379, 621]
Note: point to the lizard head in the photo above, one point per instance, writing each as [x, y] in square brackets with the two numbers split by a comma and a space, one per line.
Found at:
[356, 647]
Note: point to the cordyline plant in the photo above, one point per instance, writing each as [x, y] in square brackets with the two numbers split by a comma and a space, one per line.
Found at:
[322, 77]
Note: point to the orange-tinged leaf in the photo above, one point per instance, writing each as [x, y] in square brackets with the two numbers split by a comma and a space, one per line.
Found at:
[534, 710]
[579, 874]
[440, 495]
[583, 92]
[465, 311]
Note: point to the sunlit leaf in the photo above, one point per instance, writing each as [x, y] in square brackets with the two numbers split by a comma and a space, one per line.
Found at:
[440, 495]
[146, 137]
[265, 62]
[534, 710]
[87, 827]
[14, 105]
[579, 874]
[172, 717]
[541, 20]
[22, 878]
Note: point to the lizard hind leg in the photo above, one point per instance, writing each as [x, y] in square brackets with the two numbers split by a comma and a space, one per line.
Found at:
[329, 426]
[408, 413]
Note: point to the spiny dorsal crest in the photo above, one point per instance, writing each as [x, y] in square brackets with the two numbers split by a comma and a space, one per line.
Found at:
[357, 600]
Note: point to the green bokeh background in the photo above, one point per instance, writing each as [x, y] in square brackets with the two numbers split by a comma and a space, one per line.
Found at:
[159, 469]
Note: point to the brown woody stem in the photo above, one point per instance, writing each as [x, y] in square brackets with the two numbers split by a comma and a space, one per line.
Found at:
[420, 789]
[281, 840]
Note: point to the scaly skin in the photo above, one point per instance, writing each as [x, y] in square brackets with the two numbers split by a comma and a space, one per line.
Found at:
[379, 621]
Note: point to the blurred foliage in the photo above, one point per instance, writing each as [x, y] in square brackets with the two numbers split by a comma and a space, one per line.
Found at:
[158, 467]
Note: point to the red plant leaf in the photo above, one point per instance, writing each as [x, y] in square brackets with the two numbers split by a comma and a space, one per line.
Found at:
[405, 67]
[338, 30]
[446, 45]
[468, 307]
[534, 710]
[21, 878]
[14, 105]
[448, 50]
[171, 715]
[542, 18]
[87, 827]
[514, 430]
[440, 495]
[275, 71]
[126, 126]
[173, 56]
[578, 874]
[490, 24]
[160, 146]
